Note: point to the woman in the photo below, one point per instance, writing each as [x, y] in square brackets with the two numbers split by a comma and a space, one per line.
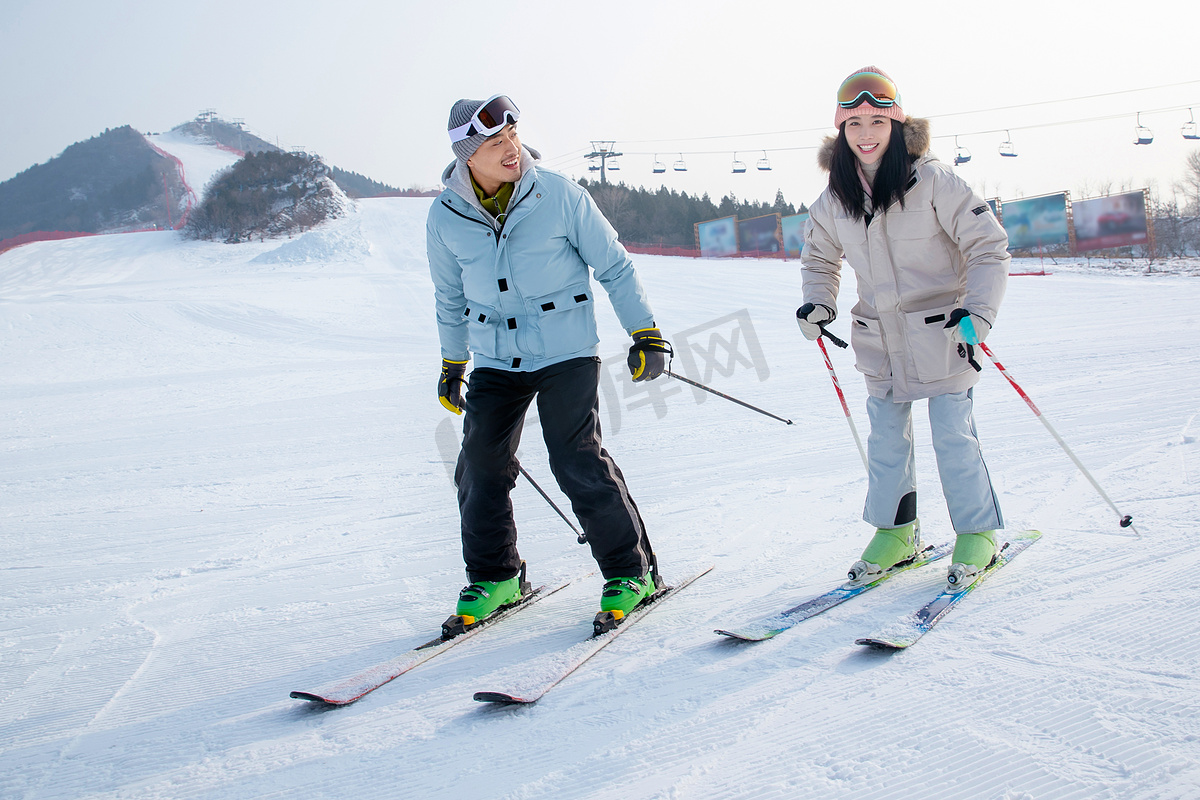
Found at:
[931, 263]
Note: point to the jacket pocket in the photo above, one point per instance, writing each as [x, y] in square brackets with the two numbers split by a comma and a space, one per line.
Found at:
[932, 355]
[870, 355]
[483, 330]
[850, 231]
[565, 319]
[916, 223]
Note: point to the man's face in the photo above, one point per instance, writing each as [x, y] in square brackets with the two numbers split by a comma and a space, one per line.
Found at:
[498, 160]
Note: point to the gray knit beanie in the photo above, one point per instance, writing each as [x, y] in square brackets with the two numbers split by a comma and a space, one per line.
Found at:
[460, 115]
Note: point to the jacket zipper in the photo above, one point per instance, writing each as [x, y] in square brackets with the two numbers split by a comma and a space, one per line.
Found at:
[511, 208]
[464, 216]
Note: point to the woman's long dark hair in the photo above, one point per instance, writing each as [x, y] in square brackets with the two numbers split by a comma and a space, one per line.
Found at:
[895, 169]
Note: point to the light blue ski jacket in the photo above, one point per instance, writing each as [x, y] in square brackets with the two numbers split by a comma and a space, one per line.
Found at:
[516, 294]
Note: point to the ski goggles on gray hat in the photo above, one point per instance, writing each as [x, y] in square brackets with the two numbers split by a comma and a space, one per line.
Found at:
[489, 119]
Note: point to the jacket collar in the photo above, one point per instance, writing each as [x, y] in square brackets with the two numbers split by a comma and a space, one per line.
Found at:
[457, 179]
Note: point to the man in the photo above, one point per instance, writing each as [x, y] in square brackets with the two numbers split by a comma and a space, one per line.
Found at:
[509, 246]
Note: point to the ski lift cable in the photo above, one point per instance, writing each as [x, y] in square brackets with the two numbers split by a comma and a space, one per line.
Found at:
[717, 152]
[1064, 100]
[825, 128]
[1124, 115]
[575, 154]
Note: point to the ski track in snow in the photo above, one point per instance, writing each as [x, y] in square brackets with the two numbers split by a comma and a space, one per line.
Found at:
[225, 477]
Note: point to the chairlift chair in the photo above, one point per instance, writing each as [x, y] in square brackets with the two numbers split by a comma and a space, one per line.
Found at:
[961, 154]
[613, 164]
[659, 167]
[764, 163]
[593, 167]
[1007, 148]
[738, 166]
[1189, 128]
[1142, 134]
[680, 165]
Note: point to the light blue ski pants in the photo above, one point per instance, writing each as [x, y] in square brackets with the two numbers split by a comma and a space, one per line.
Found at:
[892, 469]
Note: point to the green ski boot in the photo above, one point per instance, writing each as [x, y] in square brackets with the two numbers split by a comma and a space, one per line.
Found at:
[621, 596]
[973, 553]
[889, 547]
[482, 599]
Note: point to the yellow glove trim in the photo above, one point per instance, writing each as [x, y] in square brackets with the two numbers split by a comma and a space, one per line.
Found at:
[641, 366]
[449, 406]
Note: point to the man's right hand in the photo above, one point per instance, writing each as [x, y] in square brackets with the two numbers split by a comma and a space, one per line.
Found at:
[450, 385]
[812, 319]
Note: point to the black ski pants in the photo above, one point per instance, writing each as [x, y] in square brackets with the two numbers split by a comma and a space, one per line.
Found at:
[569, 411]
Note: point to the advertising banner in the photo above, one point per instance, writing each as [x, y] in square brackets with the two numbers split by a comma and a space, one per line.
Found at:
[717, 237]
[1104, 222]
[760, 235]
[793, 233]
[1036, 222]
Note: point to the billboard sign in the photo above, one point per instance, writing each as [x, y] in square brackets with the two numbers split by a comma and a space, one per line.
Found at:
[793, 234]
[760, 235]
[717, 237]
[1036, 222]
[1116, 221]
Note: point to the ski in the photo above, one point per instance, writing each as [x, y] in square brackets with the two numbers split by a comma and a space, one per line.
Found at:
[347, 690]
[778, 623]
[905, 632]
[547, 673]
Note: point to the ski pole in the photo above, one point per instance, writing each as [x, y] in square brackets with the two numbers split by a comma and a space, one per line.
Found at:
[838, 387]
[1126, 521]
[727, 397]
[581, 537]
[839, 342]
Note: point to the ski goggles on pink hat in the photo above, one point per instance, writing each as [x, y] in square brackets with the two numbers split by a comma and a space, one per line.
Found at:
[869, 87]
[489, 119]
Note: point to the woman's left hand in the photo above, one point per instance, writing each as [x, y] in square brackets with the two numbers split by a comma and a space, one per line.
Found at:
[967, 328]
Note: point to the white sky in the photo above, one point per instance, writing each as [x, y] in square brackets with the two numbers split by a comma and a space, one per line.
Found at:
[368, 85]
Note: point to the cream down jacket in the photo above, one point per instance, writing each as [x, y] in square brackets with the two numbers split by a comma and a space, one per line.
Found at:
[944, 249]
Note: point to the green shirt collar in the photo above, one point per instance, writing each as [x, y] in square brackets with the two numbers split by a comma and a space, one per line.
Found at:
[498, 204]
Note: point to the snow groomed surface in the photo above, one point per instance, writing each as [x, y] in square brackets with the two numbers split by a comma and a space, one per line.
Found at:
[225, 475]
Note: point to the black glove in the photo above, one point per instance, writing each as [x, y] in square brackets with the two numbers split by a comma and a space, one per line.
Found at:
[450, 385]
[812, 319]
[647, 356]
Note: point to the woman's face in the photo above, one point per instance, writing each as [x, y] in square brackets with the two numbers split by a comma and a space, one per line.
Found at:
[868, 136]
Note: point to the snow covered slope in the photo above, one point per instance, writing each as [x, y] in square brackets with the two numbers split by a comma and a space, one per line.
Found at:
[202, 161]
[225, 476]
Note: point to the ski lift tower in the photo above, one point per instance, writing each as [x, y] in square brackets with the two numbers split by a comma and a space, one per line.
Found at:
[603, 151]
[240, 124]
[207, 117]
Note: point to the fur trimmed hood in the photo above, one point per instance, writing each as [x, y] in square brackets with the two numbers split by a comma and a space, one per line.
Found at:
[916, 141]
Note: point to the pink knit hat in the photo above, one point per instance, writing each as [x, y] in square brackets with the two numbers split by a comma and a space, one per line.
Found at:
[855, 88]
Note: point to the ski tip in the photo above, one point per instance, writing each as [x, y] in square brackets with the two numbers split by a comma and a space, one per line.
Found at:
[742, 636]
[315, 698]
[501, 698]
[881, 644]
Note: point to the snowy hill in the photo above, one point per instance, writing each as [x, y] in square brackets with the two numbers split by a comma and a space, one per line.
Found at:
[111, 182]
[226, 476]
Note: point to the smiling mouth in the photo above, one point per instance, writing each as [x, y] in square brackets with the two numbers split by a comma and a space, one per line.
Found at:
[868, 148]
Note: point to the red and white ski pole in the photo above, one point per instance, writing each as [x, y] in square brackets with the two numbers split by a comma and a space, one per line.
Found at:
[1125, 520]
[838, 388]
